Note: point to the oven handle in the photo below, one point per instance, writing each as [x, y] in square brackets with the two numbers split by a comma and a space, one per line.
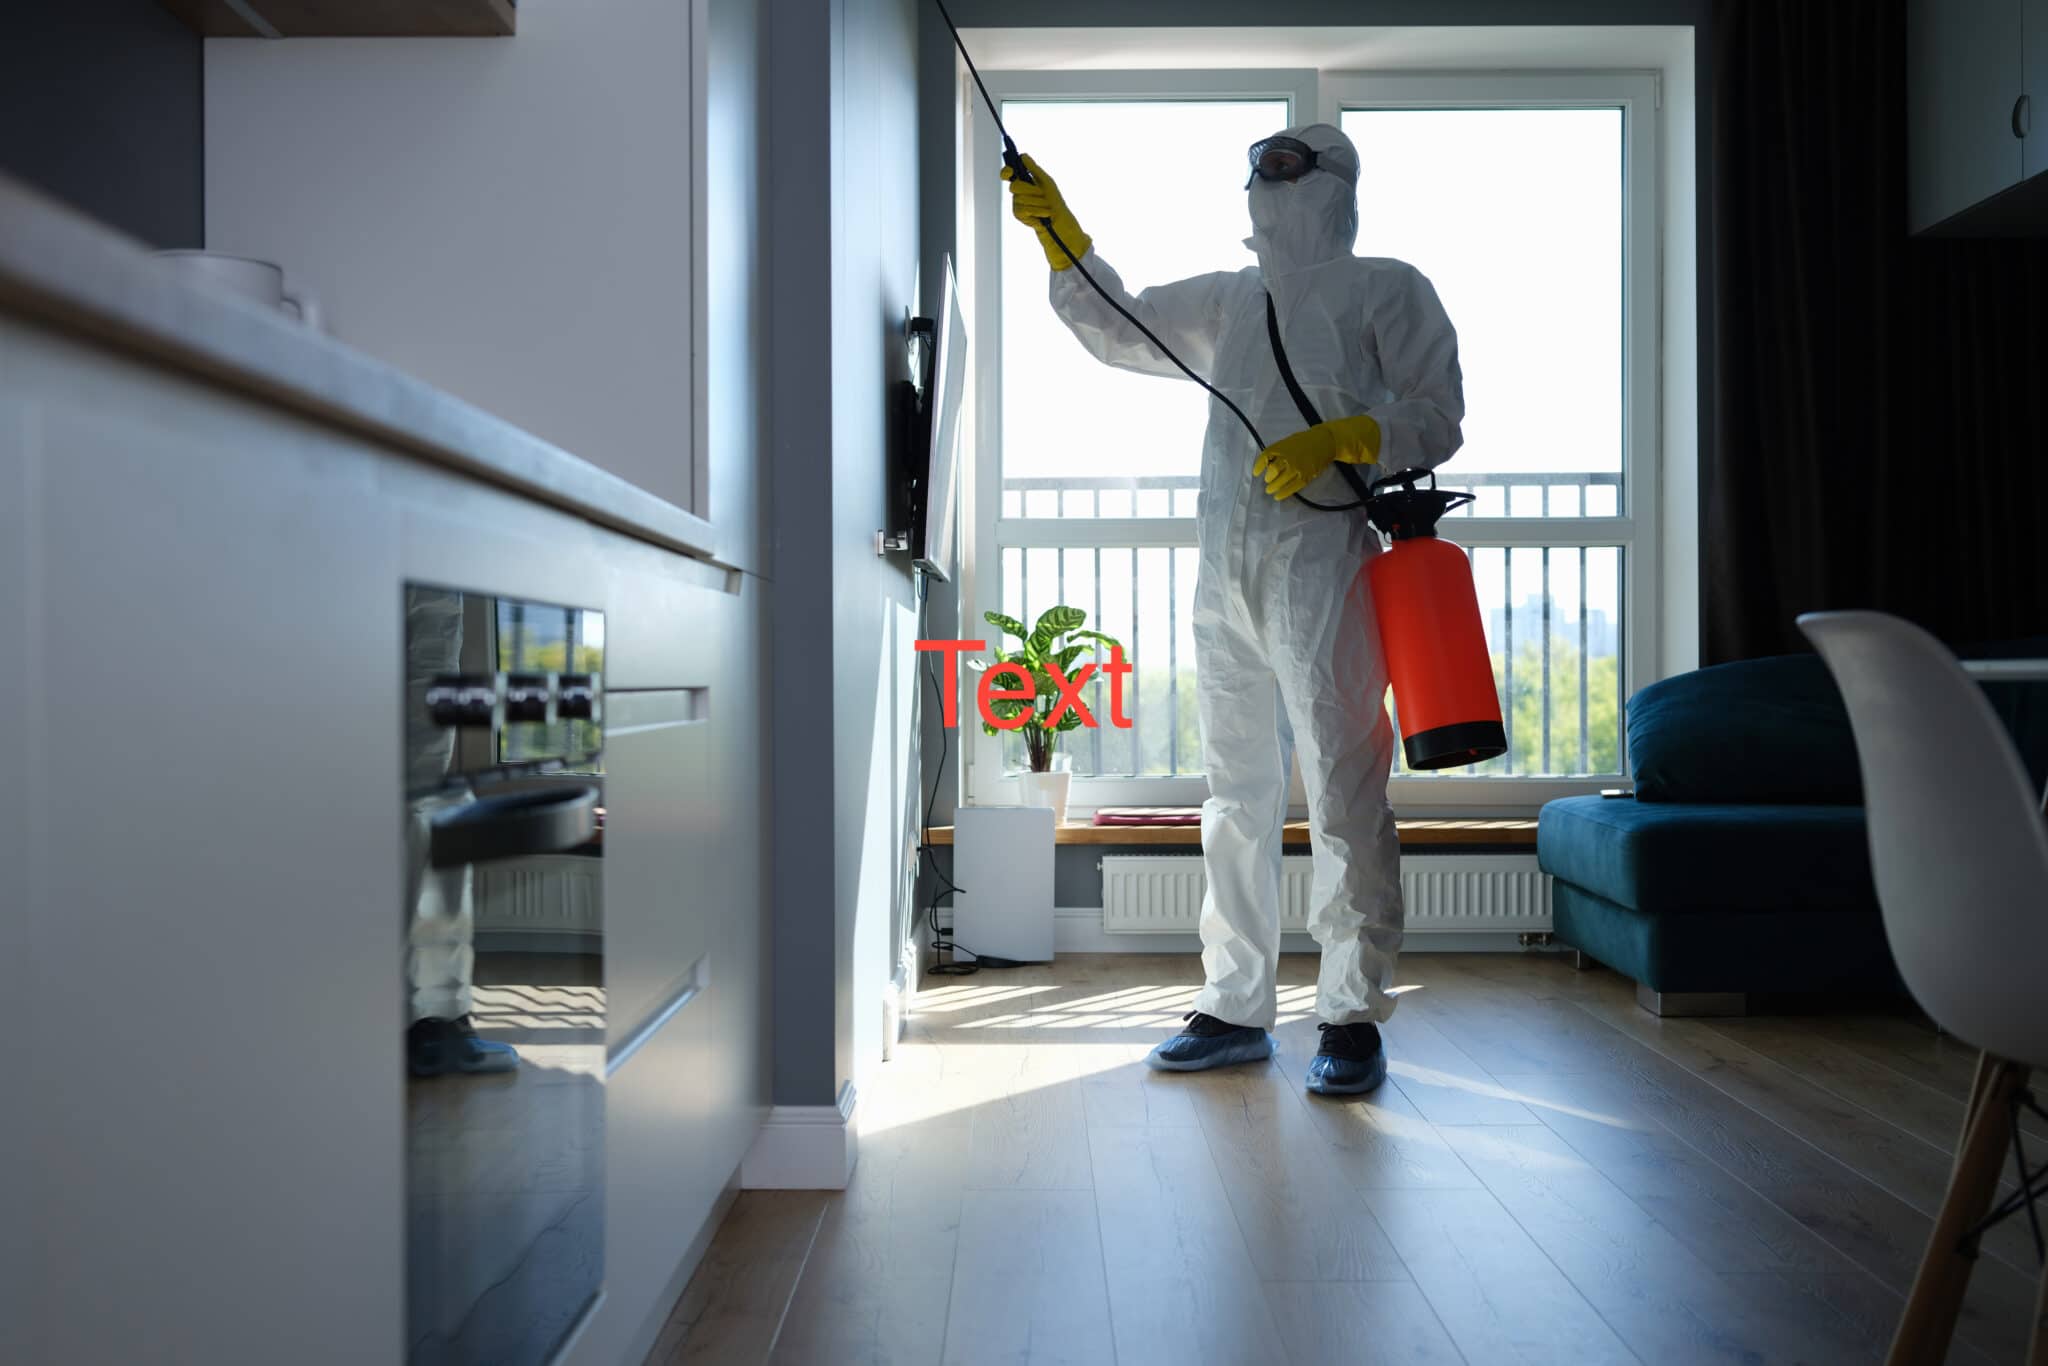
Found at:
[515, 825]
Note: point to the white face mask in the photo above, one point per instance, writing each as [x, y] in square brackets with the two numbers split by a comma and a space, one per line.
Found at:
[1301, 223]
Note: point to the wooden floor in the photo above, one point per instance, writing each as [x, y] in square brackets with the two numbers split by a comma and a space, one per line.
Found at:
[1551, 1175]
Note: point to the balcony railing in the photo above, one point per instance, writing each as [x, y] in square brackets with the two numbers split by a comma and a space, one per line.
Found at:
[1553, 616]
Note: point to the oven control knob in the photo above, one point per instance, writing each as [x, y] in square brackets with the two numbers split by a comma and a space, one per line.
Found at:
[526, 697]
[576, 697]
[462, 699]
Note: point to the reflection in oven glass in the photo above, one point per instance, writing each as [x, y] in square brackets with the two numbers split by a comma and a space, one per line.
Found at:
[504, 979]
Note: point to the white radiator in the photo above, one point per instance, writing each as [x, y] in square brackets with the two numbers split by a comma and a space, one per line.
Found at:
[544, 894]
[1469, 893]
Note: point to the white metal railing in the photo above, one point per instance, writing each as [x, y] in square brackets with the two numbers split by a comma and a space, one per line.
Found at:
[1553, 605]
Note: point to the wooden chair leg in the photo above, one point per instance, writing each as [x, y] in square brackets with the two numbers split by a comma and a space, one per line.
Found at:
[1978, 1076]
[1929, 1321]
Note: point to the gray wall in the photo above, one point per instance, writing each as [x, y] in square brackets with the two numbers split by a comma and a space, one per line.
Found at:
[939, 184]
[843, 236]
[100, 106]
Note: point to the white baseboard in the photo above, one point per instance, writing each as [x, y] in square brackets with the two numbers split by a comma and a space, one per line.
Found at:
[804, 1147]
[1078, 929]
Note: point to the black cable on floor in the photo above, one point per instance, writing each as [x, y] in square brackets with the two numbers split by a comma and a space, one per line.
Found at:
[941, 943]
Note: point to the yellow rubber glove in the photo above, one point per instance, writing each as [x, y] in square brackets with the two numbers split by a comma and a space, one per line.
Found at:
[1034, 205]
[1292, 462]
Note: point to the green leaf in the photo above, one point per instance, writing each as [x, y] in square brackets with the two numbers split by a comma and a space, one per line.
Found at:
[1055, 621]
[1010, 624]
[1065, 658]
[1111, 641]
[1071, 721]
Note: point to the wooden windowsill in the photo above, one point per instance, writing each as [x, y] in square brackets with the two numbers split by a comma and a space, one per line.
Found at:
[1491, 832]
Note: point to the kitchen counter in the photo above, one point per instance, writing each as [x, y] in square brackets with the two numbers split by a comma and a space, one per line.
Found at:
[66, 271]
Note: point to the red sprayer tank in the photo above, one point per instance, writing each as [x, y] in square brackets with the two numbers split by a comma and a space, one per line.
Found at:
[1431, 633]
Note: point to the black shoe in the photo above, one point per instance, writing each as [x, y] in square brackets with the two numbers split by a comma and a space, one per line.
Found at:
[1208, 1042]
[435, 1047]
[1351, 1060]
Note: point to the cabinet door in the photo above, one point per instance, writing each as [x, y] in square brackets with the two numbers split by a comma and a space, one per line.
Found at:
[2035, 45]
[661, 873]
[1964, 77]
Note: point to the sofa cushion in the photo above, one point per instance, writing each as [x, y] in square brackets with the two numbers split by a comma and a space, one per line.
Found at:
[1757, 951]
[1763, 730]
[1666, 858]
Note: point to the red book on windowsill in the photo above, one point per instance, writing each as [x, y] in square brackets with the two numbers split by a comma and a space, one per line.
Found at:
[1149, 815]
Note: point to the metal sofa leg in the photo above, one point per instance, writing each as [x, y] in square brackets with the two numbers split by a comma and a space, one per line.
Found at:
[1667, 1004]
[1580, 962]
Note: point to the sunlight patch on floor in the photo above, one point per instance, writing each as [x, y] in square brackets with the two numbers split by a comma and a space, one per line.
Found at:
[1430, 1076]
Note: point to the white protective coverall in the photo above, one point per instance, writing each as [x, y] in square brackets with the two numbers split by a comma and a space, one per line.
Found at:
[1286, 650]
[440, 903]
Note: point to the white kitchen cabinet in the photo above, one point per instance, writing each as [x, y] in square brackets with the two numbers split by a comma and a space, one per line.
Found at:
[1966, 82]
[204, 840]
[2034, 40]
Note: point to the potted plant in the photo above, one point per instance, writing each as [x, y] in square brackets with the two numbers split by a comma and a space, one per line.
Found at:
[1056, 639]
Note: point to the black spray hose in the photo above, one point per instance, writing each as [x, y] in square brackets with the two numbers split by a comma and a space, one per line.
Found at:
[1019, 171]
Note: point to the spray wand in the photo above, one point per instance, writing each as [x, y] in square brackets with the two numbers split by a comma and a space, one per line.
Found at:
[1019, 171]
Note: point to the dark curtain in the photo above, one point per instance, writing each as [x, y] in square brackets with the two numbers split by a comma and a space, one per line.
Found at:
[1879, 414]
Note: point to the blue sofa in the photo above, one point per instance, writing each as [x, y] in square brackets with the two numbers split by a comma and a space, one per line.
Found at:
[1740, 865]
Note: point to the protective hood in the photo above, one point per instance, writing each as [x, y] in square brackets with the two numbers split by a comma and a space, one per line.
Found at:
[1302, 223]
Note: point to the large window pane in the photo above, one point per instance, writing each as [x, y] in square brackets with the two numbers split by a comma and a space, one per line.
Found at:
[1516, 216]
[1145, 598]
[1553, 625]
[1159, 185]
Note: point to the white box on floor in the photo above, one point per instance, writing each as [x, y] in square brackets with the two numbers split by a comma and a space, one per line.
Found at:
[1002, 864]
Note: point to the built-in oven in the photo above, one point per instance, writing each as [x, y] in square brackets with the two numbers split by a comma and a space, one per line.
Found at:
[502, 928]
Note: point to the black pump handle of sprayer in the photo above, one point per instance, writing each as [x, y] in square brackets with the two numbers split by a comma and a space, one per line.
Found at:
[1399, 507]
[1409, 478]
[1018, 170]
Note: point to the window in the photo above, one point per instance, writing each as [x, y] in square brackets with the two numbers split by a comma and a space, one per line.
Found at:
[1529, 202]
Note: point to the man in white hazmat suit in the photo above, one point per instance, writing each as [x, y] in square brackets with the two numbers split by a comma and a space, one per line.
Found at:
[1286, 650]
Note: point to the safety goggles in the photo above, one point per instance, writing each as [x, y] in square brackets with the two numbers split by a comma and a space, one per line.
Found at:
[1280, 158]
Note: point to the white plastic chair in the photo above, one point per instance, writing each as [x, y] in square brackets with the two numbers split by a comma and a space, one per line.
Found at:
[1959, 851]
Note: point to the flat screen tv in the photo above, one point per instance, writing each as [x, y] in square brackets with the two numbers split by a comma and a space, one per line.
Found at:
[935, 442]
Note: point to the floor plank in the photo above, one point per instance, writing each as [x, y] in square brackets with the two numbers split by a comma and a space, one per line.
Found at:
[1941, 1062]
[1028, 1284]
[1381, 1141]
[1725, 1223]
[1648, 1090]
[1501, 1298]
[1932, 1116]
[1182, 1287]
[734, 1305]
[1888, 1157]
[876, 1288]
[1664, 1303]
[1443, 1081]
[1358, 1324]
[1035, 1137]
[1300, 1219]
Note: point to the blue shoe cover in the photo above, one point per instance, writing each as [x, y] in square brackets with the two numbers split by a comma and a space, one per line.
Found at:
[1352, 1061]
[1209, 1042]
[436, 1048]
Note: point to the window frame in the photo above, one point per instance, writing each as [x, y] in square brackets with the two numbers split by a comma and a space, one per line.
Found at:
[1329, 94]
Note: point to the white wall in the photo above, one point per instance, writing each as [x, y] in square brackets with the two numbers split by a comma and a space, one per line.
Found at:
[509, 219]
[1678, 640]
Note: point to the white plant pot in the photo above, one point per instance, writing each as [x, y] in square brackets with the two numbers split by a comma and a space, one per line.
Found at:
[1049, 789]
